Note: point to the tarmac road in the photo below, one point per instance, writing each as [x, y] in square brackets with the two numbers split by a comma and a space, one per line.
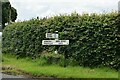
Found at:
[20, 77]
[11, 76]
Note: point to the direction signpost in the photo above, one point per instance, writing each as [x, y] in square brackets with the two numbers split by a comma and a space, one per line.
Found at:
[55, 42]
[51, 35]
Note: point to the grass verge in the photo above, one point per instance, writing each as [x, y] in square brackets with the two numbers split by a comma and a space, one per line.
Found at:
[37, 69]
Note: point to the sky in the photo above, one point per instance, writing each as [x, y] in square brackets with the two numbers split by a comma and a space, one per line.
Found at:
[28, 9]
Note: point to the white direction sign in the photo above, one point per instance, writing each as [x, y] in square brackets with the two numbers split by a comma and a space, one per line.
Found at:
[51, 35]
[55, 42]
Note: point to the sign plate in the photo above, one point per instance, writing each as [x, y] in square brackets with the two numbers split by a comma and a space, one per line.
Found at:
[51, 35]
[55, 42]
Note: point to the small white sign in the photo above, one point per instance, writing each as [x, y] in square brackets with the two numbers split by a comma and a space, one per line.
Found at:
[55, 42]
[51, 35]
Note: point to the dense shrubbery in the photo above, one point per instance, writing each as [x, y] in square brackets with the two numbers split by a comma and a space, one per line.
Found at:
[52, 58]
[94, 39]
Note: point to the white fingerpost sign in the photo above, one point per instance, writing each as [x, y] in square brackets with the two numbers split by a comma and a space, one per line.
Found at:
[51, 35]
[54, 42]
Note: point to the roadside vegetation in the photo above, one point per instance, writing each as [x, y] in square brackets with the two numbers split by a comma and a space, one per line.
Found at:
[93, 51]
[36, 68]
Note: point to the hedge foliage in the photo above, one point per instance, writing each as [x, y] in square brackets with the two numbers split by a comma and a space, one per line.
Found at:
[94, 38]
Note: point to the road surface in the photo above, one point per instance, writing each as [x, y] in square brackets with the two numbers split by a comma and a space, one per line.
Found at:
[11, 76]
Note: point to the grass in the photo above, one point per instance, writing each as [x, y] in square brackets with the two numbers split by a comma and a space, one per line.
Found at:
[35, 67]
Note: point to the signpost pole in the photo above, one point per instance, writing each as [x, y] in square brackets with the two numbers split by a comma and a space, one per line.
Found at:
[56, 43]
[65, 59]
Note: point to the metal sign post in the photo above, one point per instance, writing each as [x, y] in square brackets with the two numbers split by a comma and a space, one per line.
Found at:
[50, 35]
[55, 42]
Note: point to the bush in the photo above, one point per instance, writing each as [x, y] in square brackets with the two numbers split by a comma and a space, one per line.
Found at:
[52, 58]
[94, 39]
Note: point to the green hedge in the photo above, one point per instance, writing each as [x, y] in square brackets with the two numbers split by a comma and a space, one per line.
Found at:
[94, 38]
